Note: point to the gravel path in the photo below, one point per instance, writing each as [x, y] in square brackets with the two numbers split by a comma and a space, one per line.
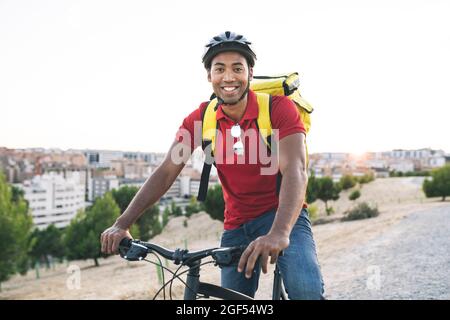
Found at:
[408, 260]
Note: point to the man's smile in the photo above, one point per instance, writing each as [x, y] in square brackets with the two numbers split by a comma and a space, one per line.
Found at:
[230, 89]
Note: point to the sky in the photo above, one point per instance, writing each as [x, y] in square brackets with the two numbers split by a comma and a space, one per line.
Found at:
[122, 75]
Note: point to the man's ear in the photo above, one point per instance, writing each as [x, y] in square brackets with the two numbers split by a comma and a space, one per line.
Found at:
[250, 74]
[209, 75]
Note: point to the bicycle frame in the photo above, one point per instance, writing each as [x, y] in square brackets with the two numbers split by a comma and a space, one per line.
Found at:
[278, 292]
[136, 250]
[195, 287]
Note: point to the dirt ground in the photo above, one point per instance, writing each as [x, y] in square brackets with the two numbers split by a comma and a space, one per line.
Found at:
[116, 278]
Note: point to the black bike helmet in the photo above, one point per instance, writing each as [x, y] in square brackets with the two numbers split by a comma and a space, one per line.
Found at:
[228, 41]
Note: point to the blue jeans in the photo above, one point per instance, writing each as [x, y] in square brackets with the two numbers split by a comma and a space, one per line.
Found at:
[299, 266]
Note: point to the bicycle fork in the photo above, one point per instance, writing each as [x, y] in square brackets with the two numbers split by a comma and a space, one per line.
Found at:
[192, 281]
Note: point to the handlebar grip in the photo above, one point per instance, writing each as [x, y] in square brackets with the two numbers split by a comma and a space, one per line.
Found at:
[124, 246]
[125, 242]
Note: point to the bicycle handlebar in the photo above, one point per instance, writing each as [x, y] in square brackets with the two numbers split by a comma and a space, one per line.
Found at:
[136, 250]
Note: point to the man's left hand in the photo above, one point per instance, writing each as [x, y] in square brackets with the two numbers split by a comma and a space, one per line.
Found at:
[265, 246]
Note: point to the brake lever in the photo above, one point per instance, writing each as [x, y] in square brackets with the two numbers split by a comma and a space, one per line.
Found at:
[228, 257]
[137, 252]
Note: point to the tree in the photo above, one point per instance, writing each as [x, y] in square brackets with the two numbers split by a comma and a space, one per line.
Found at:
[23, 226]
[347, 181]
[323, 189]
[214, 204]
[47, 242]
[75, 237]
[17, 195]
[148, 223]
[439, 185]
[82, 238]
[165, 217]
[175, 210]
[192, 207]
[15, 226]
[328, 190]
[429, 188]
[312, 189]
[123, 196]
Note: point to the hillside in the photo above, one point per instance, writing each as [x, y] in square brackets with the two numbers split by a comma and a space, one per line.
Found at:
[396, 198]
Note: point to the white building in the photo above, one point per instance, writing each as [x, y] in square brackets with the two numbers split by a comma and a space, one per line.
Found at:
[101, 185]
[174, 190]
[185, 186]
[425, 153]
[402, 166]
[436, 161]
[53, 199]
[131, 182]
[194, 186]
[102, 158]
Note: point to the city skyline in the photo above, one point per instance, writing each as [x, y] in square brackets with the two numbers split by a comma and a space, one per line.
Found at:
[163, 152]
[198, 148]
[102, 74]
[56, 181]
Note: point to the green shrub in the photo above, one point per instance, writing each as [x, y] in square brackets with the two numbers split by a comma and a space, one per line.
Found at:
[423, 173]
[175, 210]
[366, 178]
[214, 204]
[192, 207]
[347, 182]
[361, 211]
[439, 185]
[354, 195]
[312, 211]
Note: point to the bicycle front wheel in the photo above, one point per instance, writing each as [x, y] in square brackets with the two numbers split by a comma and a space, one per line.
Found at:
[212, 291]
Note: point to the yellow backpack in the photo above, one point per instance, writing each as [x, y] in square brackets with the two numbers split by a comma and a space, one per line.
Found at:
[264, 87]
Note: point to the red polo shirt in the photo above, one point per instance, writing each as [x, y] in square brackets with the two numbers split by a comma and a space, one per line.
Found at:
[247, 193]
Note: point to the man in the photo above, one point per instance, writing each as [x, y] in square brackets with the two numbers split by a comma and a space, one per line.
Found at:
[255, 215]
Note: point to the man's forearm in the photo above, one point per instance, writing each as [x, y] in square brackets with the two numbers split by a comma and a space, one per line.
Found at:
[152, 190]
[292, 196]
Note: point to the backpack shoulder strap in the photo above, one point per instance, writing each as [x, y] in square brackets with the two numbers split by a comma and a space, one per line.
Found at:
[209, 125]
[264, 123]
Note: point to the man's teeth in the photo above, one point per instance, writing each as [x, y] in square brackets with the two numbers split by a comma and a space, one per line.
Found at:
[229, 88]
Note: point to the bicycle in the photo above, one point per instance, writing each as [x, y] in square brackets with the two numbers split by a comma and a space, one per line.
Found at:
[136, 250]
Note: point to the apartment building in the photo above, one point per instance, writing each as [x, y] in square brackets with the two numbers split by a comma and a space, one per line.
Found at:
[53, 199]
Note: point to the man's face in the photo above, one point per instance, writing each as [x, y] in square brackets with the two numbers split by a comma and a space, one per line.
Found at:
[229, 76]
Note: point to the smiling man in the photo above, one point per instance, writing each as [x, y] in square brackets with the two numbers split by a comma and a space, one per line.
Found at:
[256, 215]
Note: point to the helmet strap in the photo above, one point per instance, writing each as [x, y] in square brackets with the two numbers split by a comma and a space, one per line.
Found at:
[245, 92]
[220, 100]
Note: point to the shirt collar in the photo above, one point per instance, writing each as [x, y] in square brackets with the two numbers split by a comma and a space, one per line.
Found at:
[251, 110]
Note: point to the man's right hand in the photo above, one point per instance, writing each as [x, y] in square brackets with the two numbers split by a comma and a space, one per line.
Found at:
[111, 238]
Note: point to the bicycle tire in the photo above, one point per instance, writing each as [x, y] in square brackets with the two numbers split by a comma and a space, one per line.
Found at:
[283, 292]
[213, 291]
